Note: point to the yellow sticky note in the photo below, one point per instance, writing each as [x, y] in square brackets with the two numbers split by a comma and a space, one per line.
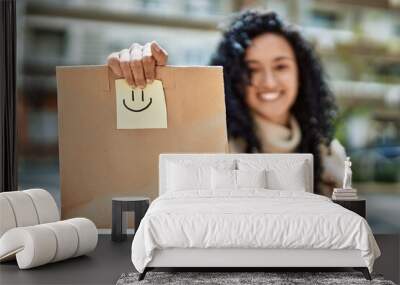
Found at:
[140, 108]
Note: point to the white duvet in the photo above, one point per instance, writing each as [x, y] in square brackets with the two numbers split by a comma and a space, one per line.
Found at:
[251, 218]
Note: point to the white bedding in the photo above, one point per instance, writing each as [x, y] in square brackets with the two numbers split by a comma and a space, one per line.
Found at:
[251, 218]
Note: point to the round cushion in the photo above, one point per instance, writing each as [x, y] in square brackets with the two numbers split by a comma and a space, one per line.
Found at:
[23, 208]
[7, 215]
[45, 205]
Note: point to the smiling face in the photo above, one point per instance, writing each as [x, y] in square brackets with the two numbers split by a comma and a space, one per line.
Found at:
[274, 77]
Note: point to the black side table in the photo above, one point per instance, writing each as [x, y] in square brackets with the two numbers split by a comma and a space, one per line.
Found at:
[120, 208]
[358, 206]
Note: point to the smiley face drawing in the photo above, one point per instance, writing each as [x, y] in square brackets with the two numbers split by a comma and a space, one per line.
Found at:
[140, 108]
[133, 100]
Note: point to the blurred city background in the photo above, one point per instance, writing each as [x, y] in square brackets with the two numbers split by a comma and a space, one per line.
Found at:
[359, 42]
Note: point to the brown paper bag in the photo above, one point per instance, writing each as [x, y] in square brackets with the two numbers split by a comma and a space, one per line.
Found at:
[99, 161]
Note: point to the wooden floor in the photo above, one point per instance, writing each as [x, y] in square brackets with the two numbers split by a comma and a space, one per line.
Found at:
[110, 260]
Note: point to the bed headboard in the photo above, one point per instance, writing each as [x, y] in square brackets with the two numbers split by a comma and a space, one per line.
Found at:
[307, 158]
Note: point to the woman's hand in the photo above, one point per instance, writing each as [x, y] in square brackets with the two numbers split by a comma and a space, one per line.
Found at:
[138, 63]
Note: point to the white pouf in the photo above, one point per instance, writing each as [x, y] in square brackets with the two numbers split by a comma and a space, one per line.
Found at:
[31, 230]
[37, 245]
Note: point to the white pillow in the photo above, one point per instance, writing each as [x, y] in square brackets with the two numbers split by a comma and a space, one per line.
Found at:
[251, 178]
[223, 179]
[181, 178]
[281, 174]
[237, 179]
[187, 174]
[279, 180]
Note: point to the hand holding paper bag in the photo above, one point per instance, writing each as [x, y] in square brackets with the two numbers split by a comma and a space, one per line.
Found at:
[138, 63]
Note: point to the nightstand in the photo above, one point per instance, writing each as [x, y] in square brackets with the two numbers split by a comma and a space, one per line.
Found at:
[358, 206]
[120, 207]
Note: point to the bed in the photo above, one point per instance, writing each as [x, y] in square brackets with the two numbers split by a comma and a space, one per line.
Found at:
[246, 211]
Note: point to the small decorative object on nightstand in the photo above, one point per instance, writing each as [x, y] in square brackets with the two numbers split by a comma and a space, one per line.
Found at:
[357, 206]
[347, 192]
[120, 207]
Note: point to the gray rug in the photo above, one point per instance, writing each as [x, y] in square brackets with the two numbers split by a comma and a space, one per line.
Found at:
[228, 278]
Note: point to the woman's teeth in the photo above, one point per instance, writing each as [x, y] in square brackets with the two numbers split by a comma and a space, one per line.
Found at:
[269, 96]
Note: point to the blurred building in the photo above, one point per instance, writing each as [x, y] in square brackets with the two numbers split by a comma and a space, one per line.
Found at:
[359, 42]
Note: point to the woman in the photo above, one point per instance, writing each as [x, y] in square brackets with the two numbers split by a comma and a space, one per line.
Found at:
[276, 97]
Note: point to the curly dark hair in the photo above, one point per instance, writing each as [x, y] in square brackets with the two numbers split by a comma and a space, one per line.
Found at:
[314, 108]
